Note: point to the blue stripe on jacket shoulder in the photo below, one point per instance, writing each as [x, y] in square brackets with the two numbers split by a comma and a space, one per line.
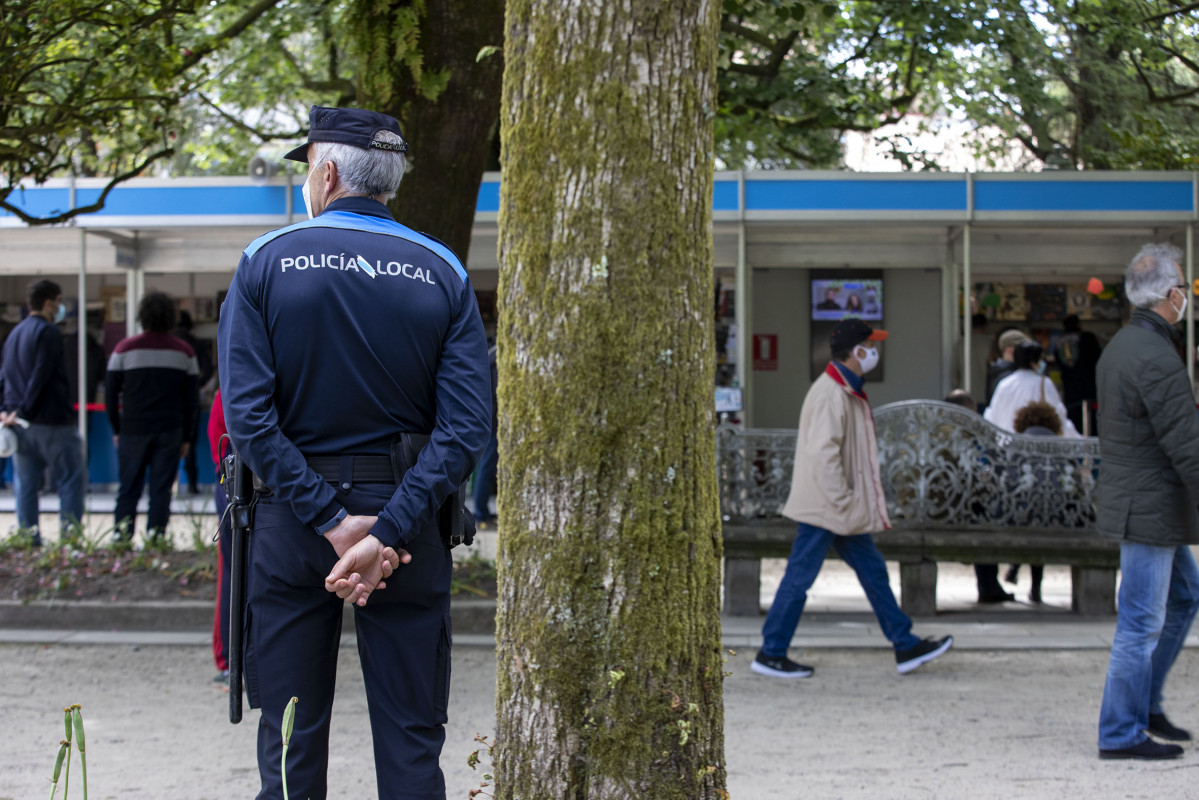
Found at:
[345, 220]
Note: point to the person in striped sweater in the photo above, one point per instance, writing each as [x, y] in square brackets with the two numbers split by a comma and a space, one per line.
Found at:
[152, 397]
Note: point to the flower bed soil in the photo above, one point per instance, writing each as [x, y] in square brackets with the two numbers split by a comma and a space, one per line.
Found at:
[60, 573]
[63, 573]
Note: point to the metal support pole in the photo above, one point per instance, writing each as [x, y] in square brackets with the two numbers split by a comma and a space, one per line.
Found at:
[967, 283]
[967, 288]
[81, 332]
[81, 337]
[949, 291]
[135, 287]
[743, 312]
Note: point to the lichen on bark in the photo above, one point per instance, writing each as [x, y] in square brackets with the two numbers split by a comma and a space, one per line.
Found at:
[608, 630]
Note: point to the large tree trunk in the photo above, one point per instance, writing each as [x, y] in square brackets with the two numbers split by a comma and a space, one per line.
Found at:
[450, 135]
[608, 631]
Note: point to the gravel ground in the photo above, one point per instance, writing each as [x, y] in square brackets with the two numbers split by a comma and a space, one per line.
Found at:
[977, 724]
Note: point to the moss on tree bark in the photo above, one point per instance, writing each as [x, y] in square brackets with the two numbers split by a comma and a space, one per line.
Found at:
[608, 631]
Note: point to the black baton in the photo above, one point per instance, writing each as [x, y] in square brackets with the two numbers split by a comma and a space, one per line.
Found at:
[240, 485]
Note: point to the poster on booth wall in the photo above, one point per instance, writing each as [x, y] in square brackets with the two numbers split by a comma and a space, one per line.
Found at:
[1078, 300]
[1013, 305]
[1108, 304]
[1046, 302]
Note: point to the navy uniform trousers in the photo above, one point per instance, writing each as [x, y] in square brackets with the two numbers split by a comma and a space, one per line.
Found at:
[292, 632]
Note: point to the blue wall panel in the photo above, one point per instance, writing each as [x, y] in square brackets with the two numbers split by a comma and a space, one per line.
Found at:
[1065, 195]
[855, 195]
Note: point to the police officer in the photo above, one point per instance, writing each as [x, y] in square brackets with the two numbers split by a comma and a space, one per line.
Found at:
[339, 334]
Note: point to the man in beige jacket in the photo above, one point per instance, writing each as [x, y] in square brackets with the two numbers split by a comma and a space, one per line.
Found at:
[837, 499]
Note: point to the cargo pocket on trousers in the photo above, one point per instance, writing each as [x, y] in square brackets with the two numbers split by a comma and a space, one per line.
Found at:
[441, 683]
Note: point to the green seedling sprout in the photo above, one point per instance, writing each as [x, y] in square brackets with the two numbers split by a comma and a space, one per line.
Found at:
[66, 776]
[63, 747]
[72, 725]
[289, 722]
[77, 722]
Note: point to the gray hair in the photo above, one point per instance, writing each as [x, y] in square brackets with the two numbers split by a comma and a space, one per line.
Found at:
[1151, 274]
[373, 172]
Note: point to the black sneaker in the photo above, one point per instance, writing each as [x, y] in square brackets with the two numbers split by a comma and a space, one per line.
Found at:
[1147, 750]
[926, 651]
[1162, 728]
[779, 667]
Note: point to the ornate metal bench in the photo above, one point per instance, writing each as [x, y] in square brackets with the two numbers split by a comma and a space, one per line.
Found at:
[958, 489]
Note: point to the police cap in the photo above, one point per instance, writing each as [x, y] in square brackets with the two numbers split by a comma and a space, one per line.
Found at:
[353, 126]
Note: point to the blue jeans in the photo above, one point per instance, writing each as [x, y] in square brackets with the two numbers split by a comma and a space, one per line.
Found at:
[1159, 594]
[57, 447]
[485, 479]
[807, 555]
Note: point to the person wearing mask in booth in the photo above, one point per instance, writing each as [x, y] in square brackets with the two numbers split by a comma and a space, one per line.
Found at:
[837, 499]
[1004, 364]
[1026, 384]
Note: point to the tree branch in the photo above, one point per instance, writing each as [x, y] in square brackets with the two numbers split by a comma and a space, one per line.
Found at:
[1173, 12]
[239, 124]
[215, 41]
[29, 219]
[746, 32]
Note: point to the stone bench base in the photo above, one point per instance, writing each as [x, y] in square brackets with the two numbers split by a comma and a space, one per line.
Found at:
[1093, 561]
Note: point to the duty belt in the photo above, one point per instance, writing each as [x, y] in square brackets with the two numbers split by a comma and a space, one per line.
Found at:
[360, 469]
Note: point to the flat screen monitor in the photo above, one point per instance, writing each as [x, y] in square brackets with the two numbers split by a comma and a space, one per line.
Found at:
[834, 299]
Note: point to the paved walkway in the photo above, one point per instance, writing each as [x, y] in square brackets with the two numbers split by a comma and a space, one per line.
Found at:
[1009, 712]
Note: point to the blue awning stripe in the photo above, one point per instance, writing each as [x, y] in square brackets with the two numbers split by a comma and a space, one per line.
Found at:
[776, 193]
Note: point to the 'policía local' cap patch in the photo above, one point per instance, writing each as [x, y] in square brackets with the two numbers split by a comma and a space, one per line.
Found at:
[353, 126]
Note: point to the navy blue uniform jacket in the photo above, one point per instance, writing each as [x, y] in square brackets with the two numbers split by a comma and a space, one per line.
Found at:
[35, 373]
[338, 334]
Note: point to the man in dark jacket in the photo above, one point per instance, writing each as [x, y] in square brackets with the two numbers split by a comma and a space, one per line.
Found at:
[1077, 353]
[151, 395]
[36, 392]
[1147, 497]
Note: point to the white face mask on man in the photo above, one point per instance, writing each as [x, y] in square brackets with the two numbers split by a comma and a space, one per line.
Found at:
[867, 358]
[306, 192]
[1180, 311]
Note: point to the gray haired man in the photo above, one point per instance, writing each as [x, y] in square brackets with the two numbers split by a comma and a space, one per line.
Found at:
[1148, 495]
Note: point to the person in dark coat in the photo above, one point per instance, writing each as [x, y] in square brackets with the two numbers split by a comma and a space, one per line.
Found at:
[37, 405]
[1077, 354]
[986, 576]
[1147, 497]
[95, 363]
[355, 384]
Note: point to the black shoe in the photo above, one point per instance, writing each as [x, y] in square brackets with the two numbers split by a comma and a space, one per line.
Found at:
[222, 677]
[1012, 573]
[1147, 750]
[926, 651]
[779, 667]
[996, 597]
[1162, 728]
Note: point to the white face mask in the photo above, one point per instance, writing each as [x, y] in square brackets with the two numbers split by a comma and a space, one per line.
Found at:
[867, 358]
[1180, 311]
[304, 190]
